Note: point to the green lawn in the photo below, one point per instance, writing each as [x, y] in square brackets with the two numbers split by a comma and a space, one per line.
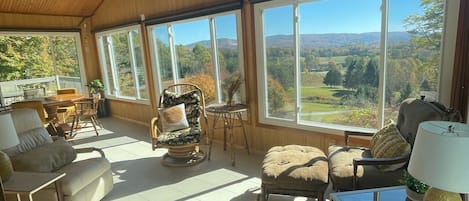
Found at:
[320, 107]
[332, 93]
[336, 59]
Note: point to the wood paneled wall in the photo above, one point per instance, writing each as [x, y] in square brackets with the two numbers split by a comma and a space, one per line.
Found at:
[260, 137]
[114, 12]
[43, 22]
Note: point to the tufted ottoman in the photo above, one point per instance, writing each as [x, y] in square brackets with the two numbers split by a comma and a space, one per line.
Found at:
[294, 170]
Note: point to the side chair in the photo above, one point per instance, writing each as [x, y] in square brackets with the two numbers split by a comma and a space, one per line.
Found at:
[178, 126]
[86, 109]
[382, 164]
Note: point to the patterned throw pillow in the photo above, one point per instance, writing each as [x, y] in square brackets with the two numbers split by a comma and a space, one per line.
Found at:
[388, 143]
[174, 118]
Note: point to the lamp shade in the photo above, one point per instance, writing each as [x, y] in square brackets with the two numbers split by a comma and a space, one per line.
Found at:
[440, 155]
[8, 136]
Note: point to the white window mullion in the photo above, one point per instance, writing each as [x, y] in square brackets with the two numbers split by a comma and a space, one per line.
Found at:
[157, 76]
[297, 62]
[213, 40]
[133, 63]
[383, 62]
[113, 66]
[172, 50]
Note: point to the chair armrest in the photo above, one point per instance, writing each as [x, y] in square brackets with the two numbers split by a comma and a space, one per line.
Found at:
[376, 161]
[154, 127]
[347, 134]
[89, 150]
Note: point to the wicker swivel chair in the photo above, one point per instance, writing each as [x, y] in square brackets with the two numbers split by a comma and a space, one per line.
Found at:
[180, 101]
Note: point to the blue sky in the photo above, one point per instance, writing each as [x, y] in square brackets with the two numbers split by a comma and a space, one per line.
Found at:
[323, 16]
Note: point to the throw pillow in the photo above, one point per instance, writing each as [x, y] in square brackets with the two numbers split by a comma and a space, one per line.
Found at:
[388, 143]
[173, 118]
[47, 158]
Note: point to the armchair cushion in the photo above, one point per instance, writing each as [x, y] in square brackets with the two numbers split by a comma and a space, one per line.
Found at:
[368, 176]
[29, 140]
[47, 158]
[174, 118]
[388, 143]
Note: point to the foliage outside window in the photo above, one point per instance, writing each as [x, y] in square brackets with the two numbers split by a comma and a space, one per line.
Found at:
[121, 57]
[204, 51]
[321, 62]
[38, 60]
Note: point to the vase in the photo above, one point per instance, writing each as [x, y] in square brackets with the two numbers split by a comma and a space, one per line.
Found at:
[414, 196]
[96, 95]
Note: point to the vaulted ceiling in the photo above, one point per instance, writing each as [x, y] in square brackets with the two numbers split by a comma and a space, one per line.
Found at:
[72, 8]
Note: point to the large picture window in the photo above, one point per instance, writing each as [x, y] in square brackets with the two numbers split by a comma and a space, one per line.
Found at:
[204, 51]
[122, 64]
[39, 62]
[342, 64]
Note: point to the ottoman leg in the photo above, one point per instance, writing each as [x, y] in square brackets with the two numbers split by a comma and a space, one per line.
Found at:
[321, 196]
[264, 196]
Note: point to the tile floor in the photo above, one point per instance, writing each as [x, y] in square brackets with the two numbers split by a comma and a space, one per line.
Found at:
[139, 176]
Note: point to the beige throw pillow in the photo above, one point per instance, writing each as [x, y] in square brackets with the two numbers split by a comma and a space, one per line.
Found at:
[388, 143]
[174, 118]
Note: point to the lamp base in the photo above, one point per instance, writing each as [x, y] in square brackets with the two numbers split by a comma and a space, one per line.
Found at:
[435, 194]
[6, 169]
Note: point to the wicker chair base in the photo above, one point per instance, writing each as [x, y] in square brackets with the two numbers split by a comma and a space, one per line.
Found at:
[194, 158]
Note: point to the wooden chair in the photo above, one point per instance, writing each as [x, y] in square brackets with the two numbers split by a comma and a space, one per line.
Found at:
[37, 105]
[182, 143]
[54, 125]
[66, 91]
[86, 109]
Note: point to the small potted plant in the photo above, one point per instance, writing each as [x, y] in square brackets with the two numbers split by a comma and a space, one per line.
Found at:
[415, 188]
[95, 87]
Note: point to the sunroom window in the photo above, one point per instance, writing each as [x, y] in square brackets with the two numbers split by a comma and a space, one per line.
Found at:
[39, 62]
[204, 51]
[345, 64]
[122, 66]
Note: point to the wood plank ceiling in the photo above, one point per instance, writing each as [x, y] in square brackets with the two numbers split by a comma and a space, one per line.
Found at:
[72, 8]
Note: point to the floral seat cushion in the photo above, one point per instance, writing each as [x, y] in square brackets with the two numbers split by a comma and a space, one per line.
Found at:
[189, 135]
[180, 137]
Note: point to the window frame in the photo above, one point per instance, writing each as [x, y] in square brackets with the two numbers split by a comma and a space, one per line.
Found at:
[443, 88]
[133, 68]
[158, 86]
[78, 46]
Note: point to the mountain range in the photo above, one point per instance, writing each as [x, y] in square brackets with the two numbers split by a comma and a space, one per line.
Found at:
[317, 40]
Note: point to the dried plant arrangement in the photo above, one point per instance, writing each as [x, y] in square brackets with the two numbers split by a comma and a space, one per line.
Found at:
[233, 87]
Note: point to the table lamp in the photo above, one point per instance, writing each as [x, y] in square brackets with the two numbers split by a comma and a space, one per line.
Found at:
[440, 159]
[8, 138]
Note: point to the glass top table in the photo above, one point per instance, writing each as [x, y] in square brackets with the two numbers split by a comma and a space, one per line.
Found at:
[395, 193]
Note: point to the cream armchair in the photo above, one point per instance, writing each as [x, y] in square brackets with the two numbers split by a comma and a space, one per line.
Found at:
[85, 180]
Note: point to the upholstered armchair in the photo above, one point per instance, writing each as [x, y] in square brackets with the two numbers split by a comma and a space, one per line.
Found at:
[382, 164]
[178, 124]
[88, 179]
